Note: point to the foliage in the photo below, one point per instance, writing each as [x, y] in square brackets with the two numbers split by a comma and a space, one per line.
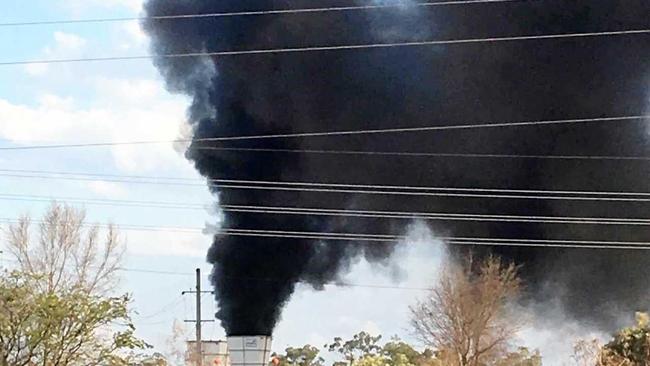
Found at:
[306, 355]
[374, 360]
[156, 359]
[630, 346]
[361, 345]
[467, 313]
[67, 327]
[364, 350]
[399, 352]
[523, 357]
[586, 353]
[67, 252]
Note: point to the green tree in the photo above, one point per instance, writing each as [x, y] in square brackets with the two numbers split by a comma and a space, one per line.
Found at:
[630, 346]
[306, 355]
[63, 328]
[372, 360]
[364, 350]
[399, 352]
[361, 345]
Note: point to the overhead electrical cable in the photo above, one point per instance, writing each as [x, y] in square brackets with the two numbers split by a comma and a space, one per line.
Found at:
[365, 237]
[425, 154]
[424, 188]
[436, 216]
[165, 309]
[336, 47]
[582, 244]
[268, 279]
[395, 4]
[468, 126]
[382, 187]
[459, 192]
[311, 211]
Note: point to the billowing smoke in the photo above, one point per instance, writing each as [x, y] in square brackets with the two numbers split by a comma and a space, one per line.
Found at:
[415, 86]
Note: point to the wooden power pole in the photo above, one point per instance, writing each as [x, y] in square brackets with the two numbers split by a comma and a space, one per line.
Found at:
[198, 320]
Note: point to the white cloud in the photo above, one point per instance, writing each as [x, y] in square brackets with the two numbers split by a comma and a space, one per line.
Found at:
[130, 91]
[168, 243]
[36, 69]
[80, 6]
[69, 41]
[64, 45]
[123, 110]
[107, 189]
[132, 37]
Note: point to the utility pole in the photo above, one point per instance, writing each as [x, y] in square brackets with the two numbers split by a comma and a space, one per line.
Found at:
[198, 320]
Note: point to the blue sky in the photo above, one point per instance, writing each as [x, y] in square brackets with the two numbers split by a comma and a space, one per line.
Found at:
[126, 101]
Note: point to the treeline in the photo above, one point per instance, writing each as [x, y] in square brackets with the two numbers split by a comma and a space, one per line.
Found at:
[366, 350]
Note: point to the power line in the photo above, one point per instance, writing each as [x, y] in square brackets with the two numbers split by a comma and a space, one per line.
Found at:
[337, 48]
[156, 179]
[389, 238]
[107, 202]
[426, 154]
[450, 241]
[165, 308]
[380, 187]
[567, 244]
[254, 13]
[467, 126]
[268, 279]
[122, 227]
[100, 175]
[424, 188]
[128, 269]
[434, 194]
[310, 211]
[390, 190]
[435, 216]
[500, 241]
[556, 246]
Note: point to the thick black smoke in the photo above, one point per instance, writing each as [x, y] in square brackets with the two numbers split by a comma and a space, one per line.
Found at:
[416, 86]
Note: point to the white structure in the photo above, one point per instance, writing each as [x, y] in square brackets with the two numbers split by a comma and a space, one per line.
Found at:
[249, 350]
[215, 353]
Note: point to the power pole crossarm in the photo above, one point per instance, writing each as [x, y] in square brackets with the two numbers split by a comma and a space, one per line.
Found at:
[198, 320]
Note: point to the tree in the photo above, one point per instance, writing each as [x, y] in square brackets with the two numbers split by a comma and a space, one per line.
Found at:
[361, 345]
[67, 327]
[630, 346]
[176, 347]
[523, 357]
[398, 352]
[67, 252]
[587, 353]
[468, 313]
[364, 350]
[306, 355]
[155, 359]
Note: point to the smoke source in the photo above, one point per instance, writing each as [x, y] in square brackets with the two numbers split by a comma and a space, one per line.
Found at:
[407, 87]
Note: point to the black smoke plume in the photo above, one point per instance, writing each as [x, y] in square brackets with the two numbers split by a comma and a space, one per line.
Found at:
[407, 87]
